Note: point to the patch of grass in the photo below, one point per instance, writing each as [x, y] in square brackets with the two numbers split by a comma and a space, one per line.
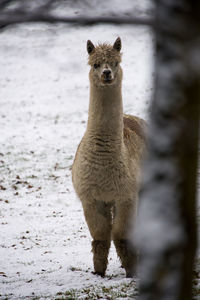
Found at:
[121, 291]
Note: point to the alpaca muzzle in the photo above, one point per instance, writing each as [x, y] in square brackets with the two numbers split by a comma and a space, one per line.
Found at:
[107, 76]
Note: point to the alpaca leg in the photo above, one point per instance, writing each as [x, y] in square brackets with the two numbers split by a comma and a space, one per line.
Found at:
[98, 217]
[124, 214]
[127, 255]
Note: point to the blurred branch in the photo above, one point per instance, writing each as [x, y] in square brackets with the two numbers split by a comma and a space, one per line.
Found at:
[21, 17]
[31, 12]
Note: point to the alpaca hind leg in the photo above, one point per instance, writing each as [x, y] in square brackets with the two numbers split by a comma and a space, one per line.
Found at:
[98, 217]
[123, 220]
[127, 255]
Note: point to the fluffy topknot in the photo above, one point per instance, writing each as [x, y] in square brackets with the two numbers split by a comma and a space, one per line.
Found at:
[104, 53]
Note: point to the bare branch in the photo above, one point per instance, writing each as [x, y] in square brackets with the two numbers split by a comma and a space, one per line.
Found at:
[7, 19]
[48, 11]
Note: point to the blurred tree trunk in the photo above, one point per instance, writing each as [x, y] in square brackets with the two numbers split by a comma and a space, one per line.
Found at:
[167, 229]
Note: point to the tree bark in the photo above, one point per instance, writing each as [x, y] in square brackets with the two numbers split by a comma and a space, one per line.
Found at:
[167, 230]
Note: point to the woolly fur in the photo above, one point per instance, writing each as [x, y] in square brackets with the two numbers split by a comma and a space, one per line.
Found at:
[104, 53]
[106, 168]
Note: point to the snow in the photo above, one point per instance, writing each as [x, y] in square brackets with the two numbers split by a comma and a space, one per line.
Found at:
[45, 246]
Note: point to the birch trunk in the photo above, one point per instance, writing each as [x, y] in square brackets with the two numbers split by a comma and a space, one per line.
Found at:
[168, 237]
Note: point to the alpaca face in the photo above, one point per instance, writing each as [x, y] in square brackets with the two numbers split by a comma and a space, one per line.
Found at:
[105, 73]
[105, 62]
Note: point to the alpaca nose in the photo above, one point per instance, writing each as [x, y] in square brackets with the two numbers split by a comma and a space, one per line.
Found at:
[106, 72]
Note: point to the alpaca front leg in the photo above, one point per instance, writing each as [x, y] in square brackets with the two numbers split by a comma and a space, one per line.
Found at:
[98, 217]
[125, 214]
[100, 251]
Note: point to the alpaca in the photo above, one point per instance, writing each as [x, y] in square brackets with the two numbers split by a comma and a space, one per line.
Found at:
[106, 168]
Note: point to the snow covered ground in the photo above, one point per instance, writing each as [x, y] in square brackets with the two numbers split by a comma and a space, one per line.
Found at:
[45, 250]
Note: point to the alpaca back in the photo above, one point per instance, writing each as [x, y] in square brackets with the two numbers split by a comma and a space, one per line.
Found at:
[134, 134]
[136, 125]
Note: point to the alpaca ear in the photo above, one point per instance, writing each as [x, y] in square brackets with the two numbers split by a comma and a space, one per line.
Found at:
[117, 44]
[90, 47]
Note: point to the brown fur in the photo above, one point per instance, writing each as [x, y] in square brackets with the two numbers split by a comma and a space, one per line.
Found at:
[136, 125]
[104, 53]
[106, 168]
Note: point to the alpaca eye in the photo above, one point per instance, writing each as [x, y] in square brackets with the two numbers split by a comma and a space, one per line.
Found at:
[116, 64]
[96, 66]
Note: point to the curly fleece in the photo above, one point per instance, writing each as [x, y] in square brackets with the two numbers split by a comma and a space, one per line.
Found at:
[104, 53]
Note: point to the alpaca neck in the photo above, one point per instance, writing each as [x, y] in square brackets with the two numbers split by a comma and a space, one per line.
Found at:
[105, 111]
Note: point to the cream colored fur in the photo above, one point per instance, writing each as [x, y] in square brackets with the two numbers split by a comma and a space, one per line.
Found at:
[106, 169]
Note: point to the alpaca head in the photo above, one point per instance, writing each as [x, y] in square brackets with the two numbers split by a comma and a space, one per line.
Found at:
[104, 60]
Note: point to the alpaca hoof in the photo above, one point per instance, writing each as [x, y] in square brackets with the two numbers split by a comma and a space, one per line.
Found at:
[98, 273]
